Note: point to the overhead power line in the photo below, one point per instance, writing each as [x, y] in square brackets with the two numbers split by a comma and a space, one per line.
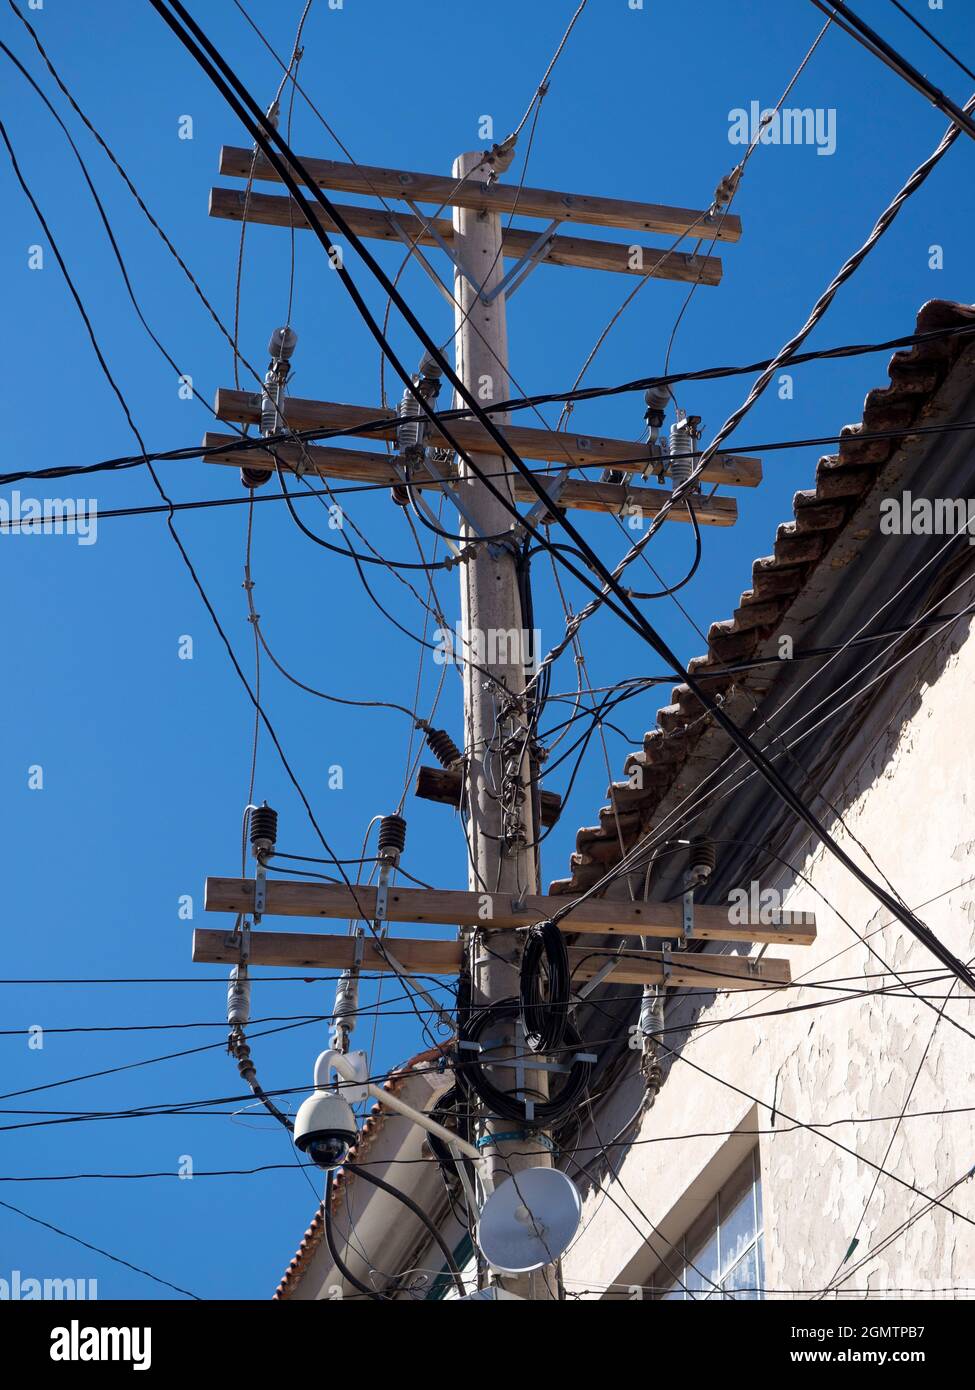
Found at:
[934, 39]
[880, 48]
[97, 1249]
[267, 443]
[268, 138]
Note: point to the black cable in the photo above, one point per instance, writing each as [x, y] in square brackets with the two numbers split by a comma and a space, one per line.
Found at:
[624, 608]
[880, 48]
[419, 1213]
[301, 437]
[698, 553]
[502, 1103]
[116, 1259]
[934, 39]
[428, 566]
[545, 1019]
[107, 373]
[337, 1260]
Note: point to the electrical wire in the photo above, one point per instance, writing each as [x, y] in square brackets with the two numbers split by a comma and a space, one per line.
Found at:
[880, 48]
[98, 1250]
[934, 39]
[207, 57]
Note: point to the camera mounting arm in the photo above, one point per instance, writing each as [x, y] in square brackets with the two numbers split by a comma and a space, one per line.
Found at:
[351, 1069]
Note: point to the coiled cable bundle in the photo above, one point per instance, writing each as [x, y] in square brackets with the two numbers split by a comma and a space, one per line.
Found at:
[545, 1018]
[504, 1104]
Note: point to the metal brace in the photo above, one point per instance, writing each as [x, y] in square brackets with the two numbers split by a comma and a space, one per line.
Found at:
[666, 961]
[597, 979]
[518, 273]
[522, 268]
[260, 891]
[541, 510]
[421, 502]
[404, 974]
[414, 250]
[453, 496]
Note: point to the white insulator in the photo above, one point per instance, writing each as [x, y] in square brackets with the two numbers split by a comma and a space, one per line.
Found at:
[238, 996]
[411, 430]
[681, 448]
[270, 415]
[651, 1010]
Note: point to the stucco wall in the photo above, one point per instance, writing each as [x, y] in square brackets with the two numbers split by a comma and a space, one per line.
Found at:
[906, 790]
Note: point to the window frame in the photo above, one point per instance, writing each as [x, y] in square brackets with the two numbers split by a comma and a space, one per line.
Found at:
[746, 1179]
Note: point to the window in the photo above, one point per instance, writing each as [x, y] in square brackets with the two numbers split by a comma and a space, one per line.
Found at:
[721, 1256]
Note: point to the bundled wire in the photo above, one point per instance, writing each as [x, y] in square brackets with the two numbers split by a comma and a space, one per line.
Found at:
[503, 1104]
[545, 1016]
[333, 1249]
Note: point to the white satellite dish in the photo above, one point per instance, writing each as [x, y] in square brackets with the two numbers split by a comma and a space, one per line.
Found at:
[529, 1220]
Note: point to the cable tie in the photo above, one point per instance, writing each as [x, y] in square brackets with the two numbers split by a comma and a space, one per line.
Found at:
[514, 1134]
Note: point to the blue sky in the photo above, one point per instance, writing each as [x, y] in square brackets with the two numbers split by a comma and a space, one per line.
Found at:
[145, 756]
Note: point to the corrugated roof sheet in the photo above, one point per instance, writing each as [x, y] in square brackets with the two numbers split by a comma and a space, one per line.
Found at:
[801, 546]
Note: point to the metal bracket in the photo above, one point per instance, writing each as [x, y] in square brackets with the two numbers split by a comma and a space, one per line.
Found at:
[657, 460]
[687, 922]
[666, 961]
[460, 1165]
[382, 895]
[241, 938]
[422, 503]
[260, 890]
[518, 903]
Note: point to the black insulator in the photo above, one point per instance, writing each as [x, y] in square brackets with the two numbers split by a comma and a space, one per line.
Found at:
[701, 854]
[254, 477]
[392, 835]
[263, 828]
[442, 746]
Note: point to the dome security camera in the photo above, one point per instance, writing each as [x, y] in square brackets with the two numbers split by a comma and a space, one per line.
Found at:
[325, 1128]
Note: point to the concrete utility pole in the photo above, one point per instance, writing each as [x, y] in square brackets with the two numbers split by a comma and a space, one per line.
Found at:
[498, 793]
